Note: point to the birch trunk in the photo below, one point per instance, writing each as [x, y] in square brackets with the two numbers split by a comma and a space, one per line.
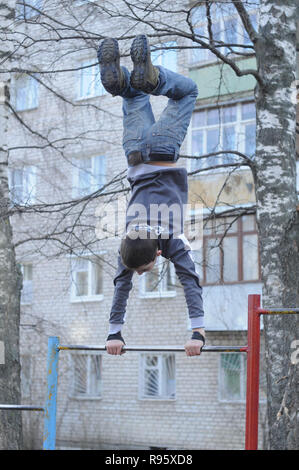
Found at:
[275, 181]
[10, 277]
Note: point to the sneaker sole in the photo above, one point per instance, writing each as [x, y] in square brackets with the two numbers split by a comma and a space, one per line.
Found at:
[141, 59]
[109, 57]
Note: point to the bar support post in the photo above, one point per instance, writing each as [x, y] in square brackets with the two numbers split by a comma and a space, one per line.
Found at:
[49, 437]
[253, 363]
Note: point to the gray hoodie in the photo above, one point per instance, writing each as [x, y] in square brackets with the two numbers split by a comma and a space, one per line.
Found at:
[153, 186]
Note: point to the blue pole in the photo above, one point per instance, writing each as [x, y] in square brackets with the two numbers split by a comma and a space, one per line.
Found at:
[51, 400]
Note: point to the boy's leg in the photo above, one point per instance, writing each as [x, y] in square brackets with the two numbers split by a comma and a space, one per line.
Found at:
[137, 111]
[165, 137]
[168, 133]
[138, 118]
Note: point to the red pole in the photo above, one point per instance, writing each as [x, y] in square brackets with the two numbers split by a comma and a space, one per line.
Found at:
[253, 363]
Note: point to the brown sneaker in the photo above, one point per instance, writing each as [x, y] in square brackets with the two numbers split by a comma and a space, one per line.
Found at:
[112, 76]
[144, 76]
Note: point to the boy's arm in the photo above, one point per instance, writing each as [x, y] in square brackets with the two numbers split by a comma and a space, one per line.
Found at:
[179, 252]
[122, 286]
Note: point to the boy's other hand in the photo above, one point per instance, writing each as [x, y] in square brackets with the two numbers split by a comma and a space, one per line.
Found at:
[193, 347]
[115, 347]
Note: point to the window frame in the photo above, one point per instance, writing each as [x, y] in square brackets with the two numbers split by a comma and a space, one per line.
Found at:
[32, 89]
[242, 379]
[161, 292]
[27, 197]
[29, 282]
[162, 379]
[209, 57]
[89, 297]
[96, 91]
[159, 56]
[84, 2]
[72, 394]
[239, 234]
[26, 375]
[77, 192]
[240, 129]
[22, 10]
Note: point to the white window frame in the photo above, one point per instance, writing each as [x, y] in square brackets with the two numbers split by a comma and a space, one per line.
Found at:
[94, 183]
[26, 380]
[25, 12]
[160, 56]
[27, 285]
[161, 395]
[242, 378]
[208, 56]
[95, 86]
[31, 100]
[27, 188]
[88, 395]
[89, 297]
[240, 127]
[161, 290]
[84, 2]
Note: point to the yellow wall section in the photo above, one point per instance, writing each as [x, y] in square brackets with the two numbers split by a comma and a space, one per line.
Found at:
[239, 189]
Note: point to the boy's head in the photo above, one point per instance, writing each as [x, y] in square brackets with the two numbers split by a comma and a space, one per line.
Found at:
[139, 254]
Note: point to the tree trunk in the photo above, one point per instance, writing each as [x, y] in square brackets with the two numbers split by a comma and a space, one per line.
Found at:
[10, 276]
[278, 221]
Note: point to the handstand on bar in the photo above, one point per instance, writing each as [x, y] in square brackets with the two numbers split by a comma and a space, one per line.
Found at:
[152, 150]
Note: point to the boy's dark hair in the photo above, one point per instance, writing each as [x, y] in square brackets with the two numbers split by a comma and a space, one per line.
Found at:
[136, 253]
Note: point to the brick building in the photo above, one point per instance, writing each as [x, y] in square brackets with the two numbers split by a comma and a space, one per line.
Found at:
[136, 400]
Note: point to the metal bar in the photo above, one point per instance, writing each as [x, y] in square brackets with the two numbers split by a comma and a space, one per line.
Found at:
[52, 382]
[154, 348]
[22, 407]
[253, 363]
[278, 311]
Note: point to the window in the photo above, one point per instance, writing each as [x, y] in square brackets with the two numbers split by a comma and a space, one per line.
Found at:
[232, 258]
[160, 281]
[88, 175]
[84, 2]
[90, 84]
[226, 27]
[86, 279]
[25, 92]
[26, 376]
[87, 375]
[22, 184]
[157, 376]
[27, 290]
[219, 129]
[232, 377]
[24, 10]
[165, 57]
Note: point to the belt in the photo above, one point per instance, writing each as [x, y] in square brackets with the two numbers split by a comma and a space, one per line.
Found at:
[134, 158]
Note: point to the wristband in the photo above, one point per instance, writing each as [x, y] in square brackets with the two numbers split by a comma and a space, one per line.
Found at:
[198, 335]
[116, 336]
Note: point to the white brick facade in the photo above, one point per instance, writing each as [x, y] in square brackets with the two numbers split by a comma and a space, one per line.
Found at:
[196, 418]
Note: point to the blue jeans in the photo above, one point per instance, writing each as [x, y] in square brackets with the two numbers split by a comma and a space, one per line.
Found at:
[141, 132]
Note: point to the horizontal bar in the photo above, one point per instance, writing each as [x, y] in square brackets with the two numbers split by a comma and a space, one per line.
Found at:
[155, 348]
[278, 311]
[22, 407]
